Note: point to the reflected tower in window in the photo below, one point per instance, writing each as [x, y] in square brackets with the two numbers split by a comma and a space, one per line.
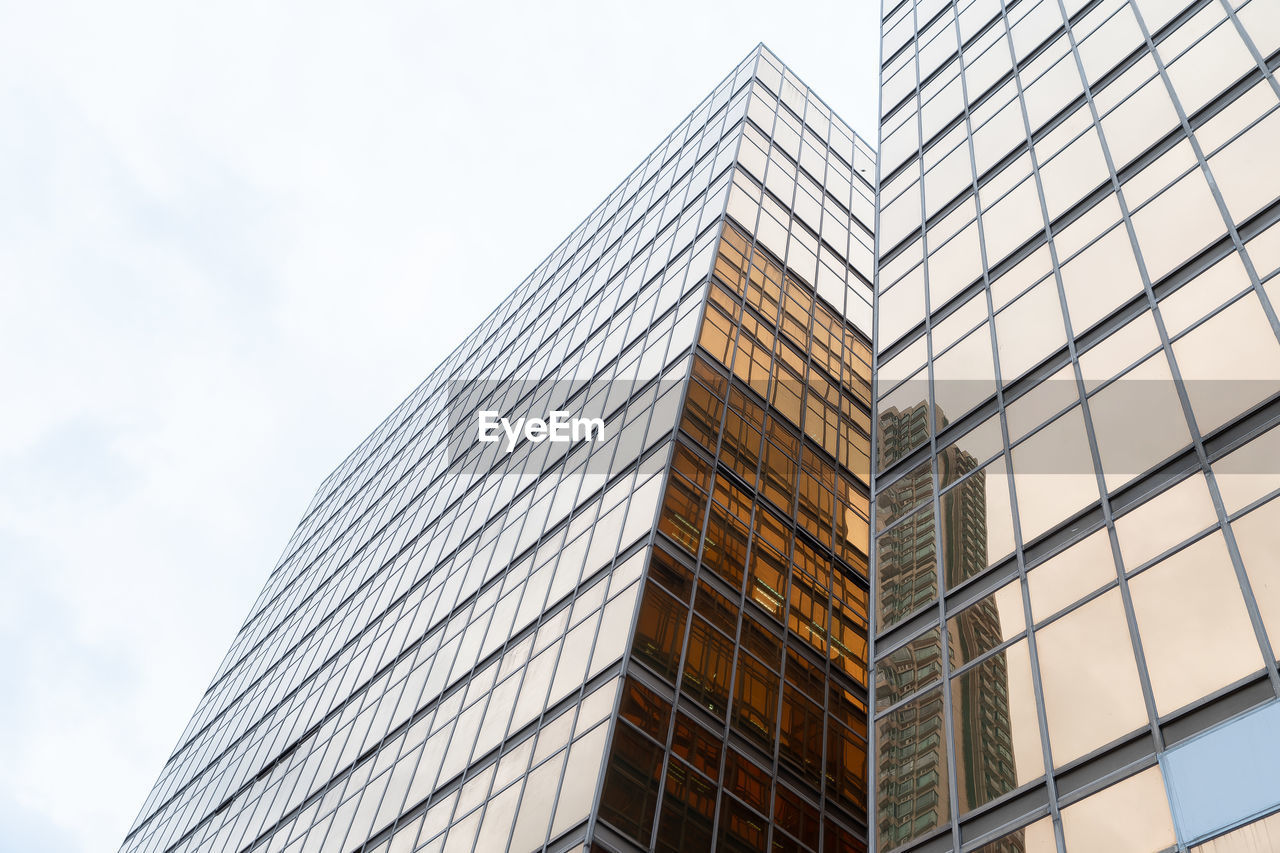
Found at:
[1077, 382]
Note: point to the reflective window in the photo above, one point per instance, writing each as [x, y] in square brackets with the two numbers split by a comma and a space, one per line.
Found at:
[1065, 578]
[1258, 538]
[997, 733]
[1225, 775]
[1230, 363]
[1089, 677]
[1195, 631]
[1131, 816]
[911, 796]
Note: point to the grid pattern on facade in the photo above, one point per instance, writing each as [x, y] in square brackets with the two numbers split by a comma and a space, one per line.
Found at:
[1077, 366]
[436, 663]
[754, 609]
[743, 720]
[435, 575]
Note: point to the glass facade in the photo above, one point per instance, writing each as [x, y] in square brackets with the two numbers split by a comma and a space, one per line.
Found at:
[958, 538]
[658, 636]
[1076, 375]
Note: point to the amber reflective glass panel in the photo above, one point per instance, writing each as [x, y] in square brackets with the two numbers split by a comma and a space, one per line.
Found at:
[997, 733]
[659, 637]
[725, 548]
[645, 709]
[794, 815]
[1131, 816]
[808, 599]
[766, 584]
[1089, 678]
[741, 436]
[1195, 631]
[708, 665]
[907, 575]
[741, 828]
[755, 707]
[847, 769]
[911, 771]
[717, 334]
[688, 810]
[977, 523]
[980, 627]
[800, 734]
[908, 668]
[1065, 578]
[1036, 838]
[1258, 537]
[718, 609]
[682, 512]
[629, 795]
[696, 745]
[778, 475]
[671, 573]
[702, 411]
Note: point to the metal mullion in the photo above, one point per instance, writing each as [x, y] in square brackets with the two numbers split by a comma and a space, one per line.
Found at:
[1242, 578]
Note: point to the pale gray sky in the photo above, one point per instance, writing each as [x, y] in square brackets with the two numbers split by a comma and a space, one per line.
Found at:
[232, 237]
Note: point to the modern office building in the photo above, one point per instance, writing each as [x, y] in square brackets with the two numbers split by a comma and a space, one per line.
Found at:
[651, 634]
[1005, 580]
[1076, 581]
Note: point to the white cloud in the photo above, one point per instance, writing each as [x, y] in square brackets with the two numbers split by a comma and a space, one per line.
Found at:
[232, 237]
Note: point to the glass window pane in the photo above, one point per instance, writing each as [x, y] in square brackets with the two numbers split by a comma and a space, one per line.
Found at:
[1138, 421]
[1258, 537]
[982, 626]
[1064, 579]
[1250, 472]
[907, 577]
[1036, 838]
[1226, 775]
[1230, 363]
[1131, 816]
[963, 376]
[1165, 520]
[1030, 329]
[1195, 631]
[1090, 680]
[1261, 836]
[629, 796]
[996, 730]
[977, 523]
[1100, 279]
[1053, 475]
[908, 668]
[912, 753]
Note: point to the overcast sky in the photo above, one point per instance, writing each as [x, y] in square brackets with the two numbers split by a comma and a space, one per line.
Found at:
[232, 237]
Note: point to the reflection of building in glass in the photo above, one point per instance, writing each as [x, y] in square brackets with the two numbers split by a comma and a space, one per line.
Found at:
[661, 640]
[654, 640]
[1078, 230]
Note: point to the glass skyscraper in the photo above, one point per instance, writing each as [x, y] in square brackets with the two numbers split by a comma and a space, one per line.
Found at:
[650, 633]
[735, 528]
[1076, 582]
